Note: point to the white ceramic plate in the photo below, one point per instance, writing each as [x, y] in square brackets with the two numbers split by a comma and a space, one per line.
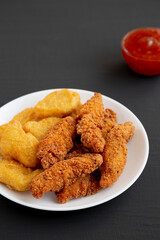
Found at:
[138, 149]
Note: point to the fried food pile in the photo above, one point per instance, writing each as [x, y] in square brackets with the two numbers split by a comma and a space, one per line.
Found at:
[20, 138]
[64, 147]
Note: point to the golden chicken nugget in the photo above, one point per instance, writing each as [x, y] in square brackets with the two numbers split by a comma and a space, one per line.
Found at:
[24, 116]
[2, 127]
[15, 175]
[58, 104]
[40, 129]
[17, 144]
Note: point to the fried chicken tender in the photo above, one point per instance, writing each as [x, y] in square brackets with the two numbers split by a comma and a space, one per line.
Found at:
[77, 151]
[41, 128]
[64, 173]
[82, 187]
[93, 105]
[90, 121]
[115, 153]
[15, 175]
[58, 104]
[109, 120]
[17, 144]
[126, 130]
[57, 143]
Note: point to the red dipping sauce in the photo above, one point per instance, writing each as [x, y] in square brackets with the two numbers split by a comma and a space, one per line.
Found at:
[141, 50]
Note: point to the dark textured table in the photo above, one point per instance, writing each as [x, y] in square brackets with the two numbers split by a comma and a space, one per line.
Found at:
[76, 44]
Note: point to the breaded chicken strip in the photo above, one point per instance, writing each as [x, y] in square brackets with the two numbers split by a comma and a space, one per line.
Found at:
[77, 151]
[64, 173]
[115, 153]
[90, 121]
[57, 143]
[93, 105]
[82, 187]
[109, 120]
[126, 130]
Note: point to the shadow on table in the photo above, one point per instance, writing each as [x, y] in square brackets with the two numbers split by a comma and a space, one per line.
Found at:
[121, 72]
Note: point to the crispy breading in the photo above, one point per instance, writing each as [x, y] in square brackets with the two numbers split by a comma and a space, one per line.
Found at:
[58, 104]
[126, 130]
[90, 121]
[57, 143]
[109, 120]
[82, 187]
[115, 153]
[15, 175]
[91, 134]
[93, 105]
[64, 173]
[40, 128]
[77, 151]
[17, 144]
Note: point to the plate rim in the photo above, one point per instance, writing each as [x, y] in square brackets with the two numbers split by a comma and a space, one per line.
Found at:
[89, 205]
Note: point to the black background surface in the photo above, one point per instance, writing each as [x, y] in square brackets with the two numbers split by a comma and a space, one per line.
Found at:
[76, 44]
